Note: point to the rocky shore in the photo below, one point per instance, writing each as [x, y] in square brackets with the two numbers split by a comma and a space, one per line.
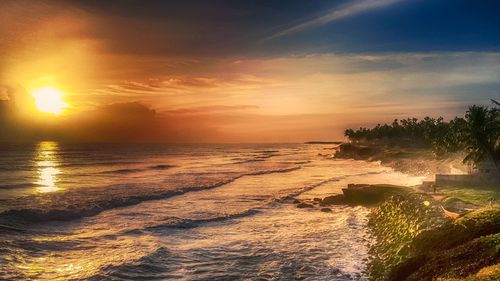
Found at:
[416, 240]
[420, 233]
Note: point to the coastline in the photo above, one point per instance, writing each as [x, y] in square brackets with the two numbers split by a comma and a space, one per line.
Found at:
[409, 160]
[415, 238]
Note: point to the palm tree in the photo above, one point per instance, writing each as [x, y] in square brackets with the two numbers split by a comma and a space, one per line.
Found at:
[481, 135]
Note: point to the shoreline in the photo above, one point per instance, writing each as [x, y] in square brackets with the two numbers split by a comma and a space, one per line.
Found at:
[415, 236]
[413, 161]
[415, 240]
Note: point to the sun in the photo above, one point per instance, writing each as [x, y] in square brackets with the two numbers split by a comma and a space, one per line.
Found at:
[49, 100]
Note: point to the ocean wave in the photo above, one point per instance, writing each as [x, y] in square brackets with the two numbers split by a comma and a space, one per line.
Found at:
[11, 228]
[260, 157]
[157, 265]
[267, 151]
[245, 161]
[192, 223]
[265, 156]
[161, 167]
[138, 170]
[102, 163]
[283, 170]
[19, 185]
[302, 162]
[122, 171]
[33, 165]
[42, 215]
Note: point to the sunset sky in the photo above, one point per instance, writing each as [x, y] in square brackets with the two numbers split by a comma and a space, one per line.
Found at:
[241, 71]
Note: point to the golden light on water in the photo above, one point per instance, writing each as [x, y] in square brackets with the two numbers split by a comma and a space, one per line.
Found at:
[49, 100]
[46, 159]
[48, 179]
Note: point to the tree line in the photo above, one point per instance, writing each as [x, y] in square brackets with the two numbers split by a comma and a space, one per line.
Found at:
[477, 134]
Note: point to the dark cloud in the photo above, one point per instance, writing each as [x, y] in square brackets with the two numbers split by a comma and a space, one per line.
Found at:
[13, 128]
[137, 123]
[121, 122]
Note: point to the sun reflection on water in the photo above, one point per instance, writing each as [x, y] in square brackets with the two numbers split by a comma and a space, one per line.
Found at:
[47, 160]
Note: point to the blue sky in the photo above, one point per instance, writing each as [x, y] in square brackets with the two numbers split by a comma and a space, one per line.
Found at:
[382, 26]
[405, 26]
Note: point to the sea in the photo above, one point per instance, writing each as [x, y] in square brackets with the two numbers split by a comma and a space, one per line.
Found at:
[182, 212]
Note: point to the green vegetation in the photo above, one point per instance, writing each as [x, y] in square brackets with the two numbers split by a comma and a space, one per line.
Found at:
[477, 134]
[480, 196]
[395, 224]
[415, 242]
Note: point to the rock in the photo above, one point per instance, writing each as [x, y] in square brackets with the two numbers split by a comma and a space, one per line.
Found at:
[296, 201]
[304, 205]
[457, 205]
[349, 150]
[316, 199]
[333, 200]
[326, 210]
[363, 194]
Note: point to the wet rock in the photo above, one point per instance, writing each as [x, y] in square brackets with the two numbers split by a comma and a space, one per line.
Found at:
[333, 200]
[326, 210]
[349, 150]
[363, 194]
[304, 205]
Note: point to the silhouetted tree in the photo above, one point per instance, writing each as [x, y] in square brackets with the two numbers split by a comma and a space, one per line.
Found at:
[477, 134]
[481, 134]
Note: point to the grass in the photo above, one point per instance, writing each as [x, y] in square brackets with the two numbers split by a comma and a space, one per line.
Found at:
[481, 196]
